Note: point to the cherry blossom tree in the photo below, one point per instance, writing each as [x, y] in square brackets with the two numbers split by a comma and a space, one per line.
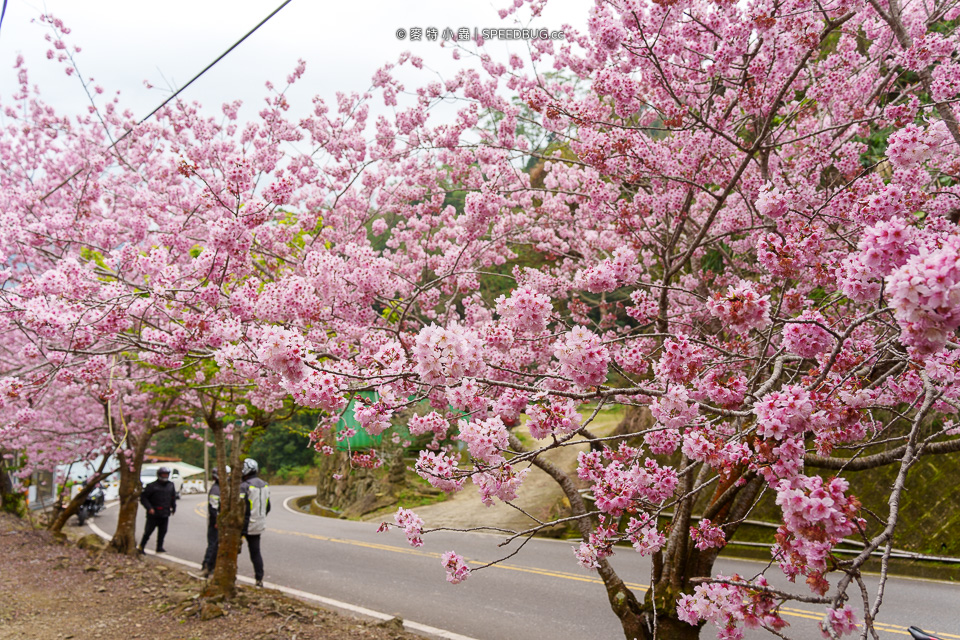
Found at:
[123, 260]
[62, 427]
[741, 217]
[221, 406]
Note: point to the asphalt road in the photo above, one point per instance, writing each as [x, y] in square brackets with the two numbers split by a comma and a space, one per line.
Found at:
[539, 593]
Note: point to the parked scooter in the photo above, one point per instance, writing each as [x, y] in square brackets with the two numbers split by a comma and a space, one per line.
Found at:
[92, 505]
[919, 634]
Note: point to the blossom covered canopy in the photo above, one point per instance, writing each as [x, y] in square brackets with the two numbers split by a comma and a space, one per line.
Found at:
[739, 217]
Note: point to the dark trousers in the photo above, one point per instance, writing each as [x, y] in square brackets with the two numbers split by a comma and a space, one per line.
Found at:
[155, 522]
[213, 543]
[254, 543]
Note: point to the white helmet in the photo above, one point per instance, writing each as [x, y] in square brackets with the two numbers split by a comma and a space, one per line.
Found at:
[250, 466]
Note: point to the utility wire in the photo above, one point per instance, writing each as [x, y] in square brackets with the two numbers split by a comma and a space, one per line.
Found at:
[3, 12]
[175, 94]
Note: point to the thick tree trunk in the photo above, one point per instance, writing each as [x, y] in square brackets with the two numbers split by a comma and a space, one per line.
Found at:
[232, 511]
[125, 537]
[6, 484]
[8, 499]
[666, 627]
[229, 529]
[677, 564]
[673, 575]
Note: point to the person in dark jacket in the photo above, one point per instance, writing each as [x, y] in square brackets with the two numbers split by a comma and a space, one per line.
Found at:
[213, 510]
[255, 494]
[159, 498]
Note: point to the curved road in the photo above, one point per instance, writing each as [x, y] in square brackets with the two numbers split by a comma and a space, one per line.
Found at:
[539, 593]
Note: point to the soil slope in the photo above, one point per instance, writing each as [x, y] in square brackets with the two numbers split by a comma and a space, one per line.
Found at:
[54, 590]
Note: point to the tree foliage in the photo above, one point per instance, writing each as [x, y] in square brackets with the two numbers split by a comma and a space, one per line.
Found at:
[741, 216]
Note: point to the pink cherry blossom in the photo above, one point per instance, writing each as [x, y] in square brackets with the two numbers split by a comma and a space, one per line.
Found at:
[741, 308]
[582, 357]
[455, 566]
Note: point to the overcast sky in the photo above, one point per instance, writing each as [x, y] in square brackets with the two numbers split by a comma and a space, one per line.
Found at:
[126, 42]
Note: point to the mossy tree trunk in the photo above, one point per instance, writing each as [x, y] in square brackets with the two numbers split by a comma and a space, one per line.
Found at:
[230, 518]
[10, 500]
[124, 539]
[679, 563]
[232, 507]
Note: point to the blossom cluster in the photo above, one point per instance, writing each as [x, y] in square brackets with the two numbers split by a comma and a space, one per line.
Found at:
[525, 311]
[806, 336]
[644, 306]
[412, 525]
[741, 308]
[816, 516]
[455, 566]
[557, 417]
[445, 355]
[284, 351]
[731, 607]
[681, 361]
[643, 534]
[440, 470]
[510, 405]
[784, 413]
[707, 535]
[623, 482]
[501, 482]
[373, 417]
[432, 422]
[485, 439]
[320, 391]
[583, 357]
[610, 274]
[467, 396]
[925, 292]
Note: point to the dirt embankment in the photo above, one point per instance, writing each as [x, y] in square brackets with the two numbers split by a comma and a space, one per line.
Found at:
[539, 499]
[55, 590]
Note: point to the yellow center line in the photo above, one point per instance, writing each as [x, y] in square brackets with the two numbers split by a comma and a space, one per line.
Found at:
[886, 627]
[358, 543]
[640, 588]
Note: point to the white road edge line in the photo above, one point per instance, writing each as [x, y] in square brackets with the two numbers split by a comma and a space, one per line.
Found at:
[305, 595]
[569, 542]
[286, 505]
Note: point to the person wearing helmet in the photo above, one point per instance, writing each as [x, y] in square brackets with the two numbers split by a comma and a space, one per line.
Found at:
[213, 510]
[255, 494]
[159, 498]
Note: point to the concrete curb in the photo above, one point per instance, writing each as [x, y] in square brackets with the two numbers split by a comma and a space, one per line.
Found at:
[409, 625]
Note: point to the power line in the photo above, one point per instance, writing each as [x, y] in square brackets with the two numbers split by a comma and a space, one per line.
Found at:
[175, 94]
[3, 12]
[219, 58]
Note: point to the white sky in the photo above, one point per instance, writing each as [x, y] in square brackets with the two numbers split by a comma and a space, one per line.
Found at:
[125, 42]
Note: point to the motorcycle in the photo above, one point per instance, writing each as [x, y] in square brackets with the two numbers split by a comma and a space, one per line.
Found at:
[92, 505]
[919, 634]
